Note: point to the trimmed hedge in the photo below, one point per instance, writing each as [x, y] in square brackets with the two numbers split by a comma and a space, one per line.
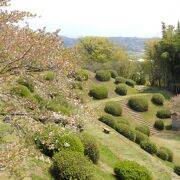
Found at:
[113, 108]
[138, 104]
[143, 129]
[113, 73]
[162, 154]
[103, 75]
[120, 79]
[158, 99]
[159, 124]
[140, 137]
[130, 170]
[169, 152]
[21, 90]
[148, 146]
[130, 82]
[108, 120]
[90, 147]
[121, 89]
[177, 169]
[98, 92]
[163, 114]
[72, 165]
[26, 82]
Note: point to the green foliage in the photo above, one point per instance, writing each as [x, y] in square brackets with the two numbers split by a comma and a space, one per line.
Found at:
[113, 73]
[81, 75]
[159, 124]
[158, 99]
[77, 85]
[130, 82]
[121, 89]
[21, 90]
[51, 140]
[72, 165]
[49, 76]
[177, 169]
[162, 154]
[90, 147]
[148, 146]
[163, 114]
[98, 92]
[113, 108]
[143, 129]
[108, 120]
[103, 75]
[138, 104]
[140, 137]
[130, 170]
[169, 152]
[26, 82]
[120, 79]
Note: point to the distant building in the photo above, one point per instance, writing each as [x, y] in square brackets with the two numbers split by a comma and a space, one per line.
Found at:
[176, 121]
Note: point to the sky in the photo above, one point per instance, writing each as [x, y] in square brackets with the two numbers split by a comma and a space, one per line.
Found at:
[77, 18]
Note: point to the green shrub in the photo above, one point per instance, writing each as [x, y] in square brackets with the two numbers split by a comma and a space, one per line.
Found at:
[159, 124]
[26, 82]
[177, 169]
[99, 92]
[121, 89]
[77, 85]
[108, 120]
[130, 82]
[163, 114]
[49, 76]
[126, 131]
[162, 154]
[148, 146]
[130, 170]
[140, 137]
[158, 99]
[143, 129]
[113, 73]
[138, 104]
[21, 90]
[51, 140]
[81, 75]
[72, 165]
[169, 152]
[103, 75]
[113, 108]
[120, 79]
[90, 147]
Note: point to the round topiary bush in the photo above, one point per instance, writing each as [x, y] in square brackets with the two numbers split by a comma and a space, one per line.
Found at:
[158, 99]
[177, 169]
[108, 120]
[162, 154]
[26, 82]
[159, 124]
[163, 114]
[148, 146]
[113, 73]
[169, 152]
[130, 82]
[49, 76]
[138, 104]
[90, 147]
[72, 165]
[121, 89]
[113, 108]
[99, 92]
[143, 129]
[21, 90]
[103, 75]
[140, 137]
[130, 170]
[120, 79]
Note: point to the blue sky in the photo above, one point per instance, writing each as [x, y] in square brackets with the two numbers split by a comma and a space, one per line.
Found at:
[128, 18]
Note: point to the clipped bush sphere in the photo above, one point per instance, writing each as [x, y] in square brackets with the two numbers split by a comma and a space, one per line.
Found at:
[103, 75]
[121, 89]
[148, 146]
[162, 154]
[163, 114]
[113, 108]
[143, 129]
[108, 120]
[159, 124]
[26, 82]
[158, 99]
[177, 169]
[21, 90]
[113, 73]
[72, 165]
[90, 147]
[138, 104]
[120, 79]
[169, 152]
[130, 82]
[99, 92]
[49, 76]
[130, 170]
[140, 137]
